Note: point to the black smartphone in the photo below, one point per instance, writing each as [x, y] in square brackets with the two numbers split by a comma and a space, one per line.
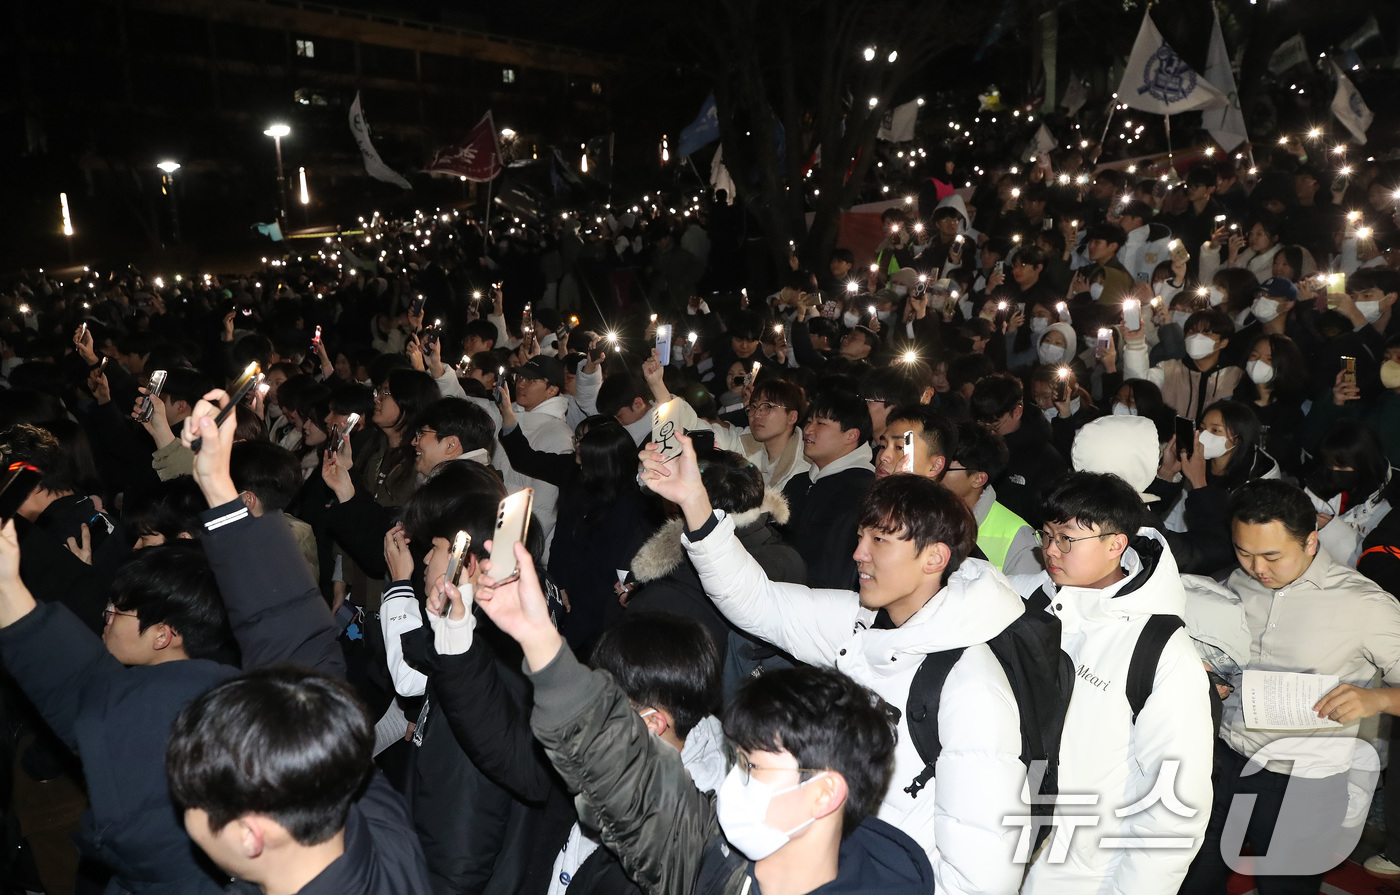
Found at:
[251, 377]
[1185, 436]
[19, 482]
[701, 439]
[417, 309]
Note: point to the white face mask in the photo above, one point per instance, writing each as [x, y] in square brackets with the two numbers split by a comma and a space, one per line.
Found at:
[1180, 317]
[1159, 287]
[1371, 310]
[1199, 345]
[743, 811]
[1216, 296]
[1265, 309]
[1050, 353]
[1052, 412]
[1260, 372]
[1121, 409]
[1095, 290]
[1213, 446]
[850, 319]
[1040, 324]
[901, 291]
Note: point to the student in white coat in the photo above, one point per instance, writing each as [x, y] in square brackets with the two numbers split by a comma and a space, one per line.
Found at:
[919, 594]
[1104, 585]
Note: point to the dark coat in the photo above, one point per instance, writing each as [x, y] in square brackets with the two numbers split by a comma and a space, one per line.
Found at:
[823, 525]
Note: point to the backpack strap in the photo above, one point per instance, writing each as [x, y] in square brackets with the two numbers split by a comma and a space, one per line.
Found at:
[921, 715]
[1142, 668]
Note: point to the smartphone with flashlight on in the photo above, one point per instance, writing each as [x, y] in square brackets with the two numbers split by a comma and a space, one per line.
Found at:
[906, 463]
[750, 376]
[1105, 340]
[250, 379]
[663, 344]
[316, 340]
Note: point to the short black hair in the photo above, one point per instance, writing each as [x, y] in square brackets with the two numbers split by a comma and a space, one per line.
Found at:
[969, 369]
[979, 449]
[781, 391]
[1095, 498]
[745, 325]
[826, 721]
[665, 661]
[23, 443]
[186, 385]
[173, 584]
[938, 432]
[283, 742]
[889, 385]
[845, 408]
[919, 509]
[1110, 233]
[734, 484]
[252, 347]
[618, 391]
[1261, 501]
[1203, 174]
[1032, 255]
[1211, 320]
[354, 398]
[995, 396]
[484, 330]
[1137, 209]
[271, 472]
[842, 254]
[458, 497]
[170, 508]
[460, 417]
[1382, 278]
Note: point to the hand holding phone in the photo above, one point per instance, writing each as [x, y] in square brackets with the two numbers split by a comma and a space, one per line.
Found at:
[249, 380]
[152, 394]
[455, 563]
[663, 344]
[512, 525]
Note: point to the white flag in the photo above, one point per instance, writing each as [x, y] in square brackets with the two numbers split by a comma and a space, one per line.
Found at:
[1350, 109]
[1226, 125]
[1369, 31]
[374, 165]
[1076, 95]
[719, 176]
[1158, 80]
[1289, 53]
[898, 126]
[1040, 144]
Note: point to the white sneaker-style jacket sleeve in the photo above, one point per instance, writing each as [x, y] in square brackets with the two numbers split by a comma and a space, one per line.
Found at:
[398, 615]
[1137, 366]
[810, 625]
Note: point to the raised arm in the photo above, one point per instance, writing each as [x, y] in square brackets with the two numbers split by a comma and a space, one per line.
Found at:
[273, 603]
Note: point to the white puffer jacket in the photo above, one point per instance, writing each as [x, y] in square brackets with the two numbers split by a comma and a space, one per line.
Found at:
[957, 818]
[1102, 752]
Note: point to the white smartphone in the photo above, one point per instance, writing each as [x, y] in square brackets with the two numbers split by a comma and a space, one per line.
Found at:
[512, 524]
[1132, 314]
[663, 430]
[152, 393]
[907, 463]
[663, 344]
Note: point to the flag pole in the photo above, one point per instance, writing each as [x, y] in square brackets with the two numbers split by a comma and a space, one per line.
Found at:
[1112, 106]
[488, 208]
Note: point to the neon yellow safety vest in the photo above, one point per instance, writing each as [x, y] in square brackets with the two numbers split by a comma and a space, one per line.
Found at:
[997, 531]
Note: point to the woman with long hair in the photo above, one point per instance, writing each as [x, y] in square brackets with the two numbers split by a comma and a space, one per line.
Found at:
[1274, 386]
[1350, 486]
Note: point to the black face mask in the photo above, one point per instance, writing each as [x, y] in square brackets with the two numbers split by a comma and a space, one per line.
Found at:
[1328, 483]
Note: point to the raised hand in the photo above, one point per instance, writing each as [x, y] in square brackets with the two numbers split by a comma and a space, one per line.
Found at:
[216, 442]
[518, 608]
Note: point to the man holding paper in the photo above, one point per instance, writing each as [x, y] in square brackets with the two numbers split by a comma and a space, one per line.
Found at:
[1312, 622]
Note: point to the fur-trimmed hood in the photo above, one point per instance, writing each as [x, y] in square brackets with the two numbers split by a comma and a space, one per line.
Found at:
[662, 554]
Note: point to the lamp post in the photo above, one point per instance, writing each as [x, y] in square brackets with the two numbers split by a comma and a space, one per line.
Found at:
[167, 186]
[277, 132]
[67, 224]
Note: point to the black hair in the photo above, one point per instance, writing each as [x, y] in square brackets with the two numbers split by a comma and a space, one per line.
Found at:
[745, 325]
[1202, 174]
[1095, 498]
[484, 330]
[284, 742]
[186, 385]
[412, 390]
[826, 721]
[459, 497]
[939, 433]
[1137, 209]
[40, 448]
[1242, 422]
[842, 254]
[867, 335]
[995, 396]
[1240, 287]
[173, 584]
[918, 509]
[734, 484]
[1382, 278]
[1110, 233]
[1033, 255]
[1211, 321]
[821, 327]
[618, 391]
[170, 509]
[1261, 501]
[664, 661]
[252, 347]
[384, 364]
[889, 385]
[780, 391]
[353, 398]
[607, 467]
[979, 449]
[1351, 444]
[969, 369]
[846, 409]
[271, 472]
[457, 416]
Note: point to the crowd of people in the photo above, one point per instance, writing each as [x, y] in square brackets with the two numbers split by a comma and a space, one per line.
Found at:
[962, 566]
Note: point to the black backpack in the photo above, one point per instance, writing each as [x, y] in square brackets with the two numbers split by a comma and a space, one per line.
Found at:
[1041, 677]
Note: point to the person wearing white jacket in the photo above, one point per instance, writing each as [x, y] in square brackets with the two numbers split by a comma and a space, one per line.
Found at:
[1153, 770]
[919, 594]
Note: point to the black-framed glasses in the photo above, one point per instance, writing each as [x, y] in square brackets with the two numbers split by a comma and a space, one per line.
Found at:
[1063, 542]
[762, 407]
[111, 611]
[735, 758]
[383, 392]
[424, 430]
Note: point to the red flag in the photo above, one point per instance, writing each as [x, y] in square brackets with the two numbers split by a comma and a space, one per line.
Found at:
[478, 157]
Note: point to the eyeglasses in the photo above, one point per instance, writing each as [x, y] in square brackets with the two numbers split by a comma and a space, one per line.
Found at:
[383, 392]
[424, 430]
[111, 611]
[1063, 543]
[734, 758]
[762, 407]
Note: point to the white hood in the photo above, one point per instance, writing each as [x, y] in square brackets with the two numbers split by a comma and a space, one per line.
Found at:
[976, 604]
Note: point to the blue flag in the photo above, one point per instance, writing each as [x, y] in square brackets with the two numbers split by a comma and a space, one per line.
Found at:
[703, 131]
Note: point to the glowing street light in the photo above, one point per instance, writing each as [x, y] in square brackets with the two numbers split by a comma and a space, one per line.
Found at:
[869, 54]
[167, 188]
[305, 194]
[507, 133]
[277, 132]
[168, 167]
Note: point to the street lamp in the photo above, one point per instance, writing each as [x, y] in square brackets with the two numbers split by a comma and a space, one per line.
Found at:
[277, 132]
[167, 187]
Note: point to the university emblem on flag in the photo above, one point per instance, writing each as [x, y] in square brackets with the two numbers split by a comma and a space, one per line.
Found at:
[1358, 108]
[1166, 77]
